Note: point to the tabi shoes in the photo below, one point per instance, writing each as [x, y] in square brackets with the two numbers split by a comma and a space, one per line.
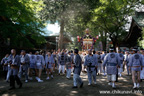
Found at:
[110, 83]
[89, 84]
[26, 81]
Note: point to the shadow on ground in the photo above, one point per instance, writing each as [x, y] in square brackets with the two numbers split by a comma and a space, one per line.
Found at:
[60, 86]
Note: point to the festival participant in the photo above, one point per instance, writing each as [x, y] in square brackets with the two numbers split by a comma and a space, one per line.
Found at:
[102, 59]
[39, 66]
[77, 70]
[62, 61]
[5, 64]
[14, 61]
[129, 56]
[29, 54]
[121, 57]
[99, 63]
[72, 56]
[32, 66]
[83, 59]
[142, 71]
[24, 63]
[91, 63]
[135, 66]
[54, 64]
[68, 65]
[126, 60]
[113, 62]
[49, 62]
[56, 60]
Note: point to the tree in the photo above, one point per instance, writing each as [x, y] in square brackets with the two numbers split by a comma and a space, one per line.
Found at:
[62, 11]
[19, 19]
[112, 16]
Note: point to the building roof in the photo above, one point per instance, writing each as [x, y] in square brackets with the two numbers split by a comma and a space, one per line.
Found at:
[139, 18]
[53, 39]
[135, 30]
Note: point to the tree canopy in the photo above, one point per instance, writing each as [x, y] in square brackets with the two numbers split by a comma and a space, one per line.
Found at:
[19, 20]
[22, 20]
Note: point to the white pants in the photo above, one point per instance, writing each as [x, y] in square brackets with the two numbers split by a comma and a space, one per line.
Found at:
[77, 80]
[99, 68]
[8, 74]
[120, 70]
[68, 73]
[111, 77]
[62, 67]
[142, 74]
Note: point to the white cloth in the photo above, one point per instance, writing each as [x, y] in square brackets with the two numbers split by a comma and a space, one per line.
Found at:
[62, 67]
[142, 74]
[111, 77]
[120, 70]
[38, 64]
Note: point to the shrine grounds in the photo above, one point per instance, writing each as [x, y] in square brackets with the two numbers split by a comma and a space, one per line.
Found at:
[60, 86]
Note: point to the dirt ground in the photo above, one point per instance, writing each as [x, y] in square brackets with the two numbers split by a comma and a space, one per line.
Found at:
[60, 86]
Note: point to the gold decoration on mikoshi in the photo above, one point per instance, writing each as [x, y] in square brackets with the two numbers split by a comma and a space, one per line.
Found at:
[87, 31]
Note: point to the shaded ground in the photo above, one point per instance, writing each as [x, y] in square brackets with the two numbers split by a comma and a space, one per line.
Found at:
[60, 86]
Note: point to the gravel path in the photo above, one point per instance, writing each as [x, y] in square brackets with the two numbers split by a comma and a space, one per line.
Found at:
[60, 86]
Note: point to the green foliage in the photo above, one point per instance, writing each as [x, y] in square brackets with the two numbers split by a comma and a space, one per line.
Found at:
[111, 16]
[20, 19]
[100, 16]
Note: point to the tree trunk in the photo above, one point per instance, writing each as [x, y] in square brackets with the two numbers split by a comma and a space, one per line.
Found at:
[114, 42]
[60, 43]
[103, 39]
[104, 45]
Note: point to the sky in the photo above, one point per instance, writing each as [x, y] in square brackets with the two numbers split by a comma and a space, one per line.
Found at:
[52, 29]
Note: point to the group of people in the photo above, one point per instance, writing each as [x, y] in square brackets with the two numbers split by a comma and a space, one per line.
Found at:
[93, 63]
[15, 66]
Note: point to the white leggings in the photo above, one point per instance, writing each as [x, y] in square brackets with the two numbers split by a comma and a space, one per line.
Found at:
[111, 77]
[62, 67]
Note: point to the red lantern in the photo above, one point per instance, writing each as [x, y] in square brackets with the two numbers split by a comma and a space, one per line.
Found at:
[97, 37]
[78, 38]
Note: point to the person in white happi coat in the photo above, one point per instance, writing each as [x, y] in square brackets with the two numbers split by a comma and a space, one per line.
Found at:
[39, 66]
[121, 57]
[68, 65]
[102, 59]
[72, 56]
[83, 59]
[99, 63]
[6, 67]
[77, 70]
[24, 63]
[126, 60]
[32, 66]
[62, 62]
[136, 66]
[142, 71]
[55, 58]
[14, 61]
[113, 62]
[91, 63]
[129, 56]
[49, 62]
